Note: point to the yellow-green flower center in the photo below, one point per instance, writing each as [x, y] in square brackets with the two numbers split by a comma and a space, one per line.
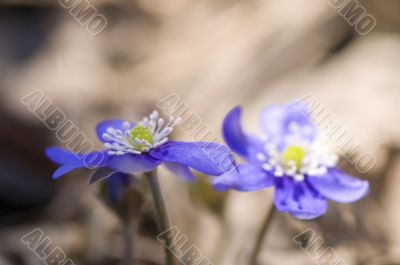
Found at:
[294, 153]
[143, 134]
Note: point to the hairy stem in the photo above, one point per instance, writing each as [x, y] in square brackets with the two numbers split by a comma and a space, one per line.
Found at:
[128, 230]
[163, 222]
[261, 235]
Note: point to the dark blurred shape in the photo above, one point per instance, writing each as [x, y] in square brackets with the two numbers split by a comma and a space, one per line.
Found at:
[25, 182]
[24, 30]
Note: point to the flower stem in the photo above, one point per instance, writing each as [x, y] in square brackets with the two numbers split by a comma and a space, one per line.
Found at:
[163, 222]
[128, 230]
[261, 235]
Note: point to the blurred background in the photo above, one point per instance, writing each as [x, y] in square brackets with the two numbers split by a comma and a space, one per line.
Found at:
[214, 54]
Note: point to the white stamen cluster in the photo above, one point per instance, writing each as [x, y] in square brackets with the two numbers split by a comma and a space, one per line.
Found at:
[121, 142]
[317, 160]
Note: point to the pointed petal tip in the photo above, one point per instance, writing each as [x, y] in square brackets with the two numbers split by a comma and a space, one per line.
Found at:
[219, 186]
[60, 155]
[58, 174]
[340, 187]
[53, 153]
[233, 132]
[65, 169]
[55, 176]
[236, 110]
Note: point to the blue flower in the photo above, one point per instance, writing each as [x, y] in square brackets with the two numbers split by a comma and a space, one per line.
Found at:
[292, 157]
[131, 148]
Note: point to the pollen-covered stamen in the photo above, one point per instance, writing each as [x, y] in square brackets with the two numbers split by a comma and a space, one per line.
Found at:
[141, 137]
[147, 134]
[298, 161]
[293, 156]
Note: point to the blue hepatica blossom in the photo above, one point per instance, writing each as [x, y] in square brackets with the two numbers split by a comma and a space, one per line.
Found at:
[131, 148]
[292, 157]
